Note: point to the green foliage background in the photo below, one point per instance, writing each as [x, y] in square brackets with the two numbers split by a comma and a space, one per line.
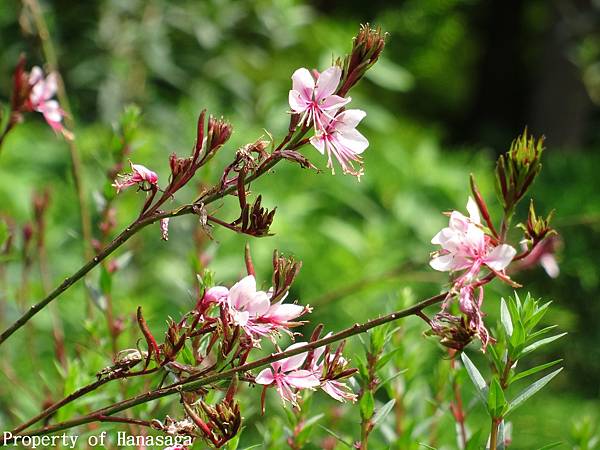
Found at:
[235, 58]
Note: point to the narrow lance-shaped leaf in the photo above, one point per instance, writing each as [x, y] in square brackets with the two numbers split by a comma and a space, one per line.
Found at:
[475, 377]
[496, 401]
[381, 414]
[505, 318]
[541, 342]
[533, 370]
[532, 389]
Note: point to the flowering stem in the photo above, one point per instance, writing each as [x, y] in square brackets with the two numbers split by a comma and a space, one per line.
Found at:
[52, 61]
[78, 394]
[494, 434]
[194, 383]
[209, 197]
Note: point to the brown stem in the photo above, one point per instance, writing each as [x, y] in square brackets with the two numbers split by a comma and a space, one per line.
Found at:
[494, 434]
[75, 395]
[76, 168]
[193, 383]
[205, 199]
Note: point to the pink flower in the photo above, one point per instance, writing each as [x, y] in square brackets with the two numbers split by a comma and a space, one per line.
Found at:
[287, 377]
[340, 138]
[216, 294]
[253, 312]
[282, 315]
[543, 254]
[139, 175]
[314, 99]
[246, 304]
[336, 389]
[40, 99]
[466, 246]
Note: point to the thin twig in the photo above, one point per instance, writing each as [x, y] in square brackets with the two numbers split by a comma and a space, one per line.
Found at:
[124, 236]
[52, 62]
[193, 383]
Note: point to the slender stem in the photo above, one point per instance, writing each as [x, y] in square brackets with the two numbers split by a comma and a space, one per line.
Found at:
[494, 434]
[76, 395]
[9, 126]
[457, 405]
[205, 199]
[52, 62]
[194, 383]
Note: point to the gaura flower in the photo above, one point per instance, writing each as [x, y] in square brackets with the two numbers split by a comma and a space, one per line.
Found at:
[314, 98]
[466, 246]
[139, 175]
[40, 99]
[340, 138]
[252, 309]
[287, 376]
[246, 304]
[333, 368]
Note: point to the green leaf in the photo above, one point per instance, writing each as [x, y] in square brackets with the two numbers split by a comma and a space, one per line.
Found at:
[541, 342]
[390, 378]
[337, 436]
[516, 341]
[105, 281]
[3, 232]
[378, 339]
[533, 370]
[535, 335]
[532, 389]
[473, 442]
[386, 358]
[307, 428]
[505, 318]
[367, 404]
[553, 445]
[382, 412]
[496, 402]
[475, 377]
[186, 353]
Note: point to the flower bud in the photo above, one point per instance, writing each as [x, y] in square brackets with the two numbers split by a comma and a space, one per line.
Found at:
[516, 170]
[367, 47]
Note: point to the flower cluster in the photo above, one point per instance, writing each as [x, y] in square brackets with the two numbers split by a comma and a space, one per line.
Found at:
[310, 370]
[34, 92]
[467, 247]
[253, 310]
[313, 97]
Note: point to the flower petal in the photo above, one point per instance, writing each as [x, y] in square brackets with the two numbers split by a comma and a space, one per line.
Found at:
[265, 377]
[500, 257]
[280, 313]
[443, 263]
[304, 83]
[473, 210]
[354, 141]
[349, 119]
[302, 379]
[327, 83]
[293, 362]
[318, 142]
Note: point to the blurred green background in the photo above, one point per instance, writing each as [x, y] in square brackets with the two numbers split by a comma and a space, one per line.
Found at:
[459, 79]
